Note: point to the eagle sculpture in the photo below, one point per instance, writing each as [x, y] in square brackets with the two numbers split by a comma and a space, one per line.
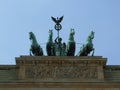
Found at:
[57, 20]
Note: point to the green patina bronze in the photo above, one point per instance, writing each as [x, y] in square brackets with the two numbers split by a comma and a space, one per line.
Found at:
[71, 44]
[35, 47]
[56, 48]
[59, 48]
[50, 45]
[88, 46]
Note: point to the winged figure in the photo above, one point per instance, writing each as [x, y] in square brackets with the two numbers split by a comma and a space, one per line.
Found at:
[57, 20]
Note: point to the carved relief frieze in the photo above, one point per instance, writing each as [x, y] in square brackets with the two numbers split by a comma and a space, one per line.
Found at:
[57, 71]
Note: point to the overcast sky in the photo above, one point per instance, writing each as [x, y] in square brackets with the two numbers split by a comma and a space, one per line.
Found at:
[19, 17]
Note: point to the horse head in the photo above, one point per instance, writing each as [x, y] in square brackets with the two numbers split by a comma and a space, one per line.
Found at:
[91, 35]
[31, 35]
[50, 33]
[72, 32]
[71, 36]
[50, 36]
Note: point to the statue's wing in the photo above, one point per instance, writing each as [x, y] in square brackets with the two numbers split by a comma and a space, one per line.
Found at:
[54, 19]
[60, 19]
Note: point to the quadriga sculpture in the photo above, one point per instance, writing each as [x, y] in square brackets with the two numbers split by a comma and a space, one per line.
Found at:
[35, 47]
[88, 46]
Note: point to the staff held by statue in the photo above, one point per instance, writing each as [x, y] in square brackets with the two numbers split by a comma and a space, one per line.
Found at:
[57, 26]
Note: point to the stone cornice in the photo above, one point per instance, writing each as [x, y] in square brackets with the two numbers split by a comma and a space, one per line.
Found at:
[59, 85]
[30, 60]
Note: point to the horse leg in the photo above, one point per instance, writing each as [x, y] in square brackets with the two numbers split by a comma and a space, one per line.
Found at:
[41, 52]
[30, 52]
[93, 52]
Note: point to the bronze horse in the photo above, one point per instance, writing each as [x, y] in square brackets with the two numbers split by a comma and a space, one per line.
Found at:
[50, 45]
[35, 47]
[88, 46]
[71, 44]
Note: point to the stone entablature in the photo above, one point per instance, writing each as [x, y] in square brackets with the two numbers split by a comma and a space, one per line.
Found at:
[60, 73]
[60, 68]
